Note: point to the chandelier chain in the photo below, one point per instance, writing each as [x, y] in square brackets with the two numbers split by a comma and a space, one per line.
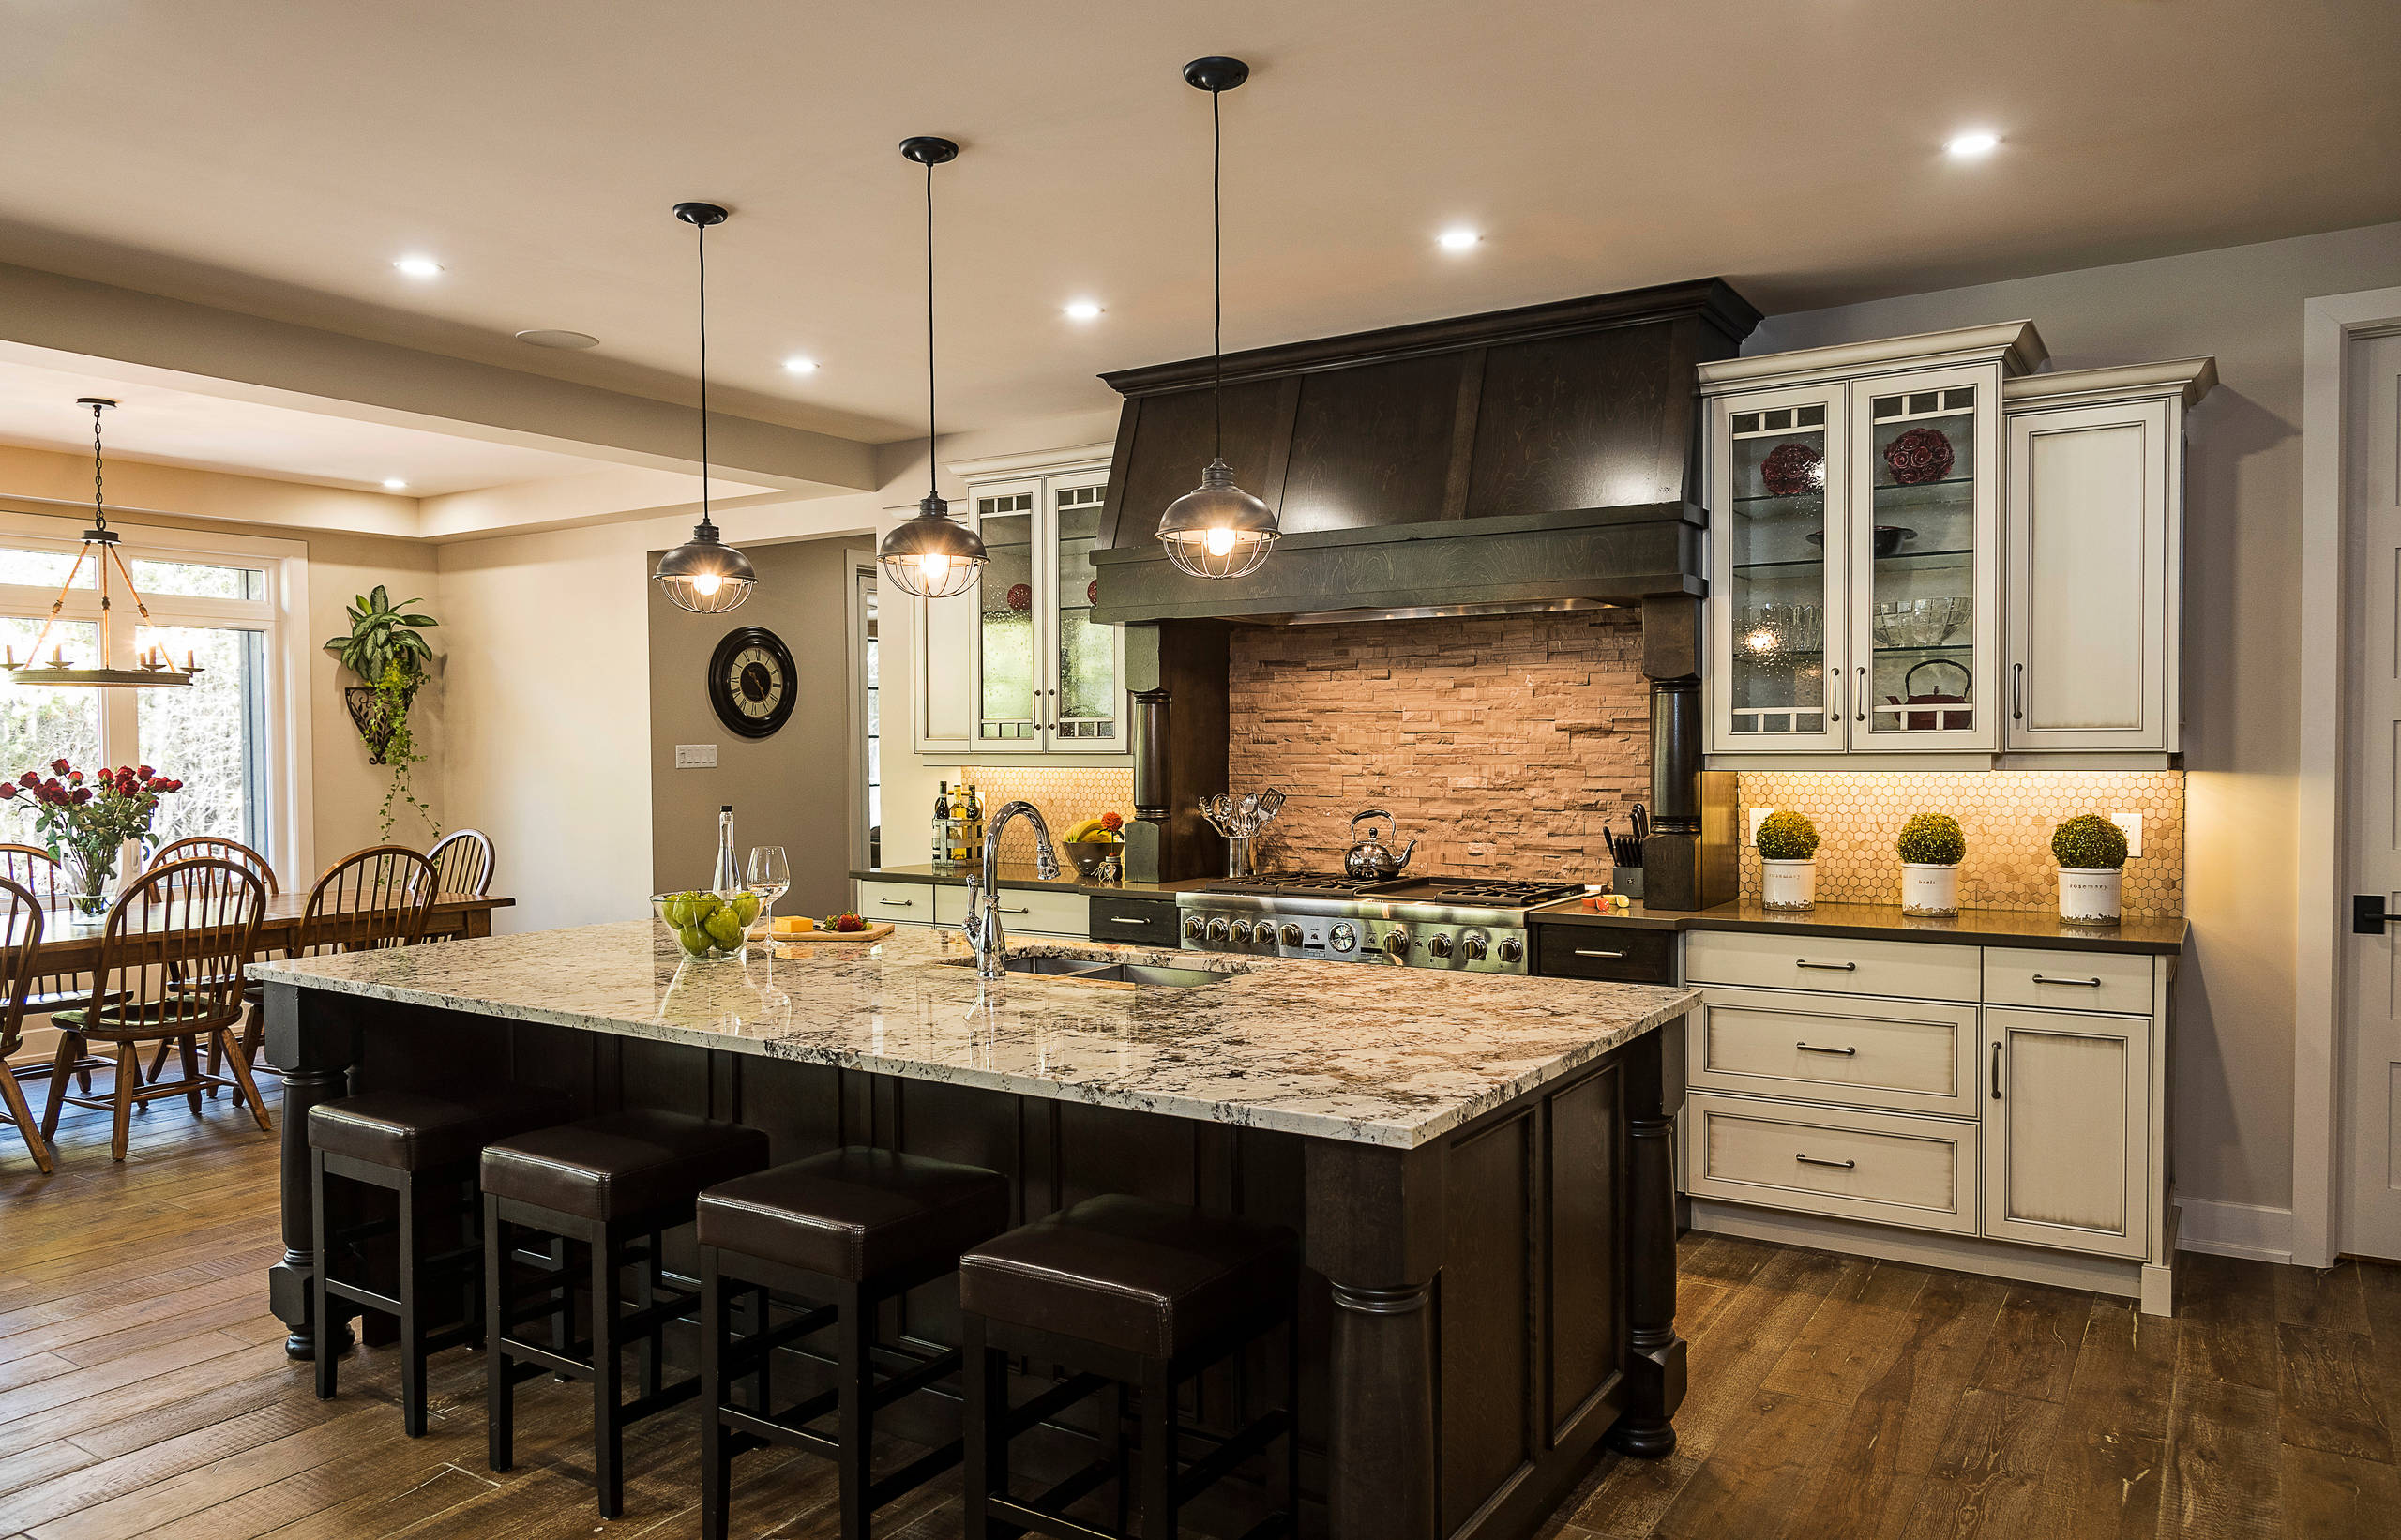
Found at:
[99, 507]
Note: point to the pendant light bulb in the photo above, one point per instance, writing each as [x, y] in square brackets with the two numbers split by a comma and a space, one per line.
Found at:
[1217, 530]
[931, 554]
[704, 575]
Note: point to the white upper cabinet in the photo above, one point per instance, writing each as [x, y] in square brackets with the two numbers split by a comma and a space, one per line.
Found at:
[1014, 665]
[2095, 552]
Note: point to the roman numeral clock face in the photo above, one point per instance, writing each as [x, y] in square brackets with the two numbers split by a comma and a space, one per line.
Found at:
[750, 681]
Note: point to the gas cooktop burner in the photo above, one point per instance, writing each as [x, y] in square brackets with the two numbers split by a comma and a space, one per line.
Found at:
[1473, 924]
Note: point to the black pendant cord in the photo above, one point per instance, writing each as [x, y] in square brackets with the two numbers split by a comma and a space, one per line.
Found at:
[932, 488]
[700, 233]
[1217, 272]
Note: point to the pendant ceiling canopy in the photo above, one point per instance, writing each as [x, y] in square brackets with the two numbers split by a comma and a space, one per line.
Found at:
[1217, 530]
[100, 550]
[931, 554]
[704, 575]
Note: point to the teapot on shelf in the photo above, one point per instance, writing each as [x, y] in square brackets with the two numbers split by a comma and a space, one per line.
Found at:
[1371, 859]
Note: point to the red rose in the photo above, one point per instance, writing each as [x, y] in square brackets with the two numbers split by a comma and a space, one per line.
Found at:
[59, 765]
[145, 772]
[8, 788]
[29, 778]
[174, 786]
[83, 796]
[74, 777]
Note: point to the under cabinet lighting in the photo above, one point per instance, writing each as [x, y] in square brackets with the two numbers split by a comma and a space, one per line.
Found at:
[418, 266]
[1973, 145]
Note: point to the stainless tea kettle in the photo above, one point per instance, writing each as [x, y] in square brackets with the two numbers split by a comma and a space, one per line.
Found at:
[1371, 859]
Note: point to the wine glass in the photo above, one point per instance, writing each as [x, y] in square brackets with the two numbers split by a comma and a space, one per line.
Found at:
[770, 878]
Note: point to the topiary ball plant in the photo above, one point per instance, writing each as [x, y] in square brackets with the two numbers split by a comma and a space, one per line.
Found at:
[2090, 842]
[1932, 840]
[1787, 836]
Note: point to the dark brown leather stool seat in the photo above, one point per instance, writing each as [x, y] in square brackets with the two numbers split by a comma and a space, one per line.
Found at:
[1124, 1290]
[856, 1212]
[422, 1130]
[621, 1164]
[422, 1147]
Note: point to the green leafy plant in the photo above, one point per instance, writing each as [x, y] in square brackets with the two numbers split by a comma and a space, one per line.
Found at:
[1787, 836]
[382, 637]
[1932, 840]
[2090, 842]
[386, 648]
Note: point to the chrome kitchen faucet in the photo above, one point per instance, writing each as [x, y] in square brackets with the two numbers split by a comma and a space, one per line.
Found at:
[982, 921]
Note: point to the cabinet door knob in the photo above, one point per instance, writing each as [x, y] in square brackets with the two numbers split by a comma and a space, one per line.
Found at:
[1838, 1165]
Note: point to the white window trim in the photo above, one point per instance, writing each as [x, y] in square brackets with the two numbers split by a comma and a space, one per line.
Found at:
[292, 841]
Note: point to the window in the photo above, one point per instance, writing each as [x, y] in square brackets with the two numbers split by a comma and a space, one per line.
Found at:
[236, 736]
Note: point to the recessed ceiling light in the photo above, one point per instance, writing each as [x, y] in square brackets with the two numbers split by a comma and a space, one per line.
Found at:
[800, 365]
[1459, 240]
[418, 266]
[1972, 146]
[566, 341]
[395, 484]
[1084, 309]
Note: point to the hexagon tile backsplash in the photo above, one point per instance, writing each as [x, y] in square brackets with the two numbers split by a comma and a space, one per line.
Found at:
[2007, 815]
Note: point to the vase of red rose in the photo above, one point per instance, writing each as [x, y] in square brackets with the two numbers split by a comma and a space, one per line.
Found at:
[87, 822]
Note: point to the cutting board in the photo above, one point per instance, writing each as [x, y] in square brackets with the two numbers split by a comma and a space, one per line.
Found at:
[873, 932]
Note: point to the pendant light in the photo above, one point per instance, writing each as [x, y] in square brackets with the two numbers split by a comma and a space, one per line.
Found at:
[1217, 530]
[931, 554]
[704, 575]
[101, 551]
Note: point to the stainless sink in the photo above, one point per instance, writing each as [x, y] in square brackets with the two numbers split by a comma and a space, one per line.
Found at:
[1095, 971]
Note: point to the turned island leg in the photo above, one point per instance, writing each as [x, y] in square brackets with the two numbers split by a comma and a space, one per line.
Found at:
[315, 1057]
[1654, 1363]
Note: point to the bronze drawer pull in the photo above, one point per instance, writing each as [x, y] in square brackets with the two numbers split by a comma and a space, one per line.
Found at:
[1594, 952]
[2079, 983]
[1996, 1071]
[1838, 1165]
[1812, 1047]
[1829, 967]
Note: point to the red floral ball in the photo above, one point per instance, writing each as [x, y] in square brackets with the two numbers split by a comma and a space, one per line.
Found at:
[1092, 592]
[1792, 469]
[1919, 456]
[1020, 597]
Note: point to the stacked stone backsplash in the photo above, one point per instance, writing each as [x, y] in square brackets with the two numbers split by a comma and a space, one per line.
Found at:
[2007, 816]
[1500, 743]
[1064, 795]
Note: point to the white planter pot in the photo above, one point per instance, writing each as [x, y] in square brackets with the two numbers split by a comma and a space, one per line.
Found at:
[1787, 885]
[1929, 892]
[2089, 894]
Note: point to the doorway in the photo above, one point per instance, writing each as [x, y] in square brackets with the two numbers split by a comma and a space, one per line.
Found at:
[867, 714]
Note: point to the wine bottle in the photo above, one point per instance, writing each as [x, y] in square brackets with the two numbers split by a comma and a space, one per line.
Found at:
[728, 881]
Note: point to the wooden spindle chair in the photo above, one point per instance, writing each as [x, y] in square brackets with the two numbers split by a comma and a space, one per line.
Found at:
[211, 847]
[463, 859]
[31, 868]
[20, 939]
[379, 897]
[170, 970]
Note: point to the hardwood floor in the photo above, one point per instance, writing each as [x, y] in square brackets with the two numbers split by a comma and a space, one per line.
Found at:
[143, 1391]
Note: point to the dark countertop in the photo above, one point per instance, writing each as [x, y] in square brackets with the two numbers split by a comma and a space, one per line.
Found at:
[1023, 874]
[1885, 922]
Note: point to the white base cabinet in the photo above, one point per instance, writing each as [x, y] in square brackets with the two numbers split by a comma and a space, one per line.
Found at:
[2067, 1153]
[1024, 911]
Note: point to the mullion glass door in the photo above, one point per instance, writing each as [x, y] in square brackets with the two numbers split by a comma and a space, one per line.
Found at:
[1082, 709]
[1008, 713]
[1779, 567]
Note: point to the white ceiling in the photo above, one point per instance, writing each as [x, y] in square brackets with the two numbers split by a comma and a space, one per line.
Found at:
[170, 427]
[274, 156]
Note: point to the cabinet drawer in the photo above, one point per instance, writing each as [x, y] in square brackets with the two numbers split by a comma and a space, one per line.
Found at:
[1882, 1167]
[1596, 951]
[2068, 981]
[1908, 969]
[1137, 922]
[902, 904]
[1039, 911]
[1905, 1056]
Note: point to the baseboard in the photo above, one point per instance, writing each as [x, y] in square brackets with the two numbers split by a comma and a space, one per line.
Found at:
[2250, 1230]
[1925, 1248]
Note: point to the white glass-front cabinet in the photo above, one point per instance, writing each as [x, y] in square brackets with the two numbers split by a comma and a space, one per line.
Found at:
[1015, 666]
[1776, 614]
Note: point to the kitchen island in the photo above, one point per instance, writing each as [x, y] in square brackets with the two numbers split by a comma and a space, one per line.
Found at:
[1478, 1166]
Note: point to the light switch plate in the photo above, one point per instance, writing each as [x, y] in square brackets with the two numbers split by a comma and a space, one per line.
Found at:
[1758, 816]
[2132, 825]
[696, 756]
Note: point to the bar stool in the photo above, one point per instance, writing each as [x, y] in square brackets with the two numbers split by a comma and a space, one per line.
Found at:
[609, 1182]
[422, 1147]
[1124, 1290]
[844, 1231]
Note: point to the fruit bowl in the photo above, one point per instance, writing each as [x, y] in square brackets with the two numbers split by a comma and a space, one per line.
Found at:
[705, 925]
[1088, 854]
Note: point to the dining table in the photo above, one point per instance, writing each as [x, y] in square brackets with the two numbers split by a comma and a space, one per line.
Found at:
[70, 942]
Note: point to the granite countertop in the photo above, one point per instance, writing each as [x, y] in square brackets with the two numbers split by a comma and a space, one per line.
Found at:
[1885, 922]
[1023, 874]
[1332, 1051]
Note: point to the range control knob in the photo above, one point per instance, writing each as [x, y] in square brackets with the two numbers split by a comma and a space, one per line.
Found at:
[1217, 930]
[1513, 950]
[1397, 942]
[1193, 925]
[1343, 937]
[1242, 932]
[1475, 946]
[1439, 946]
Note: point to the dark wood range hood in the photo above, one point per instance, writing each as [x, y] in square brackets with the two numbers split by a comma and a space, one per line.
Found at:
[1533, 459]
[1538, 458]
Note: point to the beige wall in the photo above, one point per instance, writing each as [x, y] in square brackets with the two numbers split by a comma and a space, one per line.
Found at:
[2233, 1093]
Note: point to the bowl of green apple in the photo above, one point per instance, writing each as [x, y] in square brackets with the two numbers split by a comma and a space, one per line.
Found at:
[708, 924]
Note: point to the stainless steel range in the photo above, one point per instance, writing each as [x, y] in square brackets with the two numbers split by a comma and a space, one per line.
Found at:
[1469, 924]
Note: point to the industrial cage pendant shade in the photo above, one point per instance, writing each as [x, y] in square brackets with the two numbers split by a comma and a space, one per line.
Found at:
[704, 575]
[931, 554]
[1217, 530]
[99, 549]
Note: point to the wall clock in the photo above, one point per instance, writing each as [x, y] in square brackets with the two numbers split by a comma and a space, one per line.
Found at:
[750, 681]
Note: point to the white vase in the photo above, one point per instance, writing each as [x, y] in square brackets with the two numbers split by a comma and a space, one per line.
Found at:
[1929, 892]
[2090, 895]
[1787, 885]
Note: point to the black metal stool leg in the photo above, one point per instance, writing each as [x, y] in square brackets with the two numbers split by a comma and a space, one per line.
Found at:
[412, 1310]
[654, 1354]
[500, 1382]
[1159, 1450]
[984, 1404]
[327, 1352]
[717, 1465]
[608, 1376]
[855, 1331]
[762, 1386]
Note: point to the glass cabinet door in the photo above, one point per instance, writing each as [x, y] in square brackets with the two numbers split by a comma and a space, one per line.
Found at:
[1007, 710]
[1778, 559]
[1085, 686]
[1923, 554]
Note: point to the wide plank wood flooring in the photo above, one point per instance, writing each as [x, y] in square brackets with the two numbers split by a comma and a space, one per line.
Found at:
[143, 1391]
